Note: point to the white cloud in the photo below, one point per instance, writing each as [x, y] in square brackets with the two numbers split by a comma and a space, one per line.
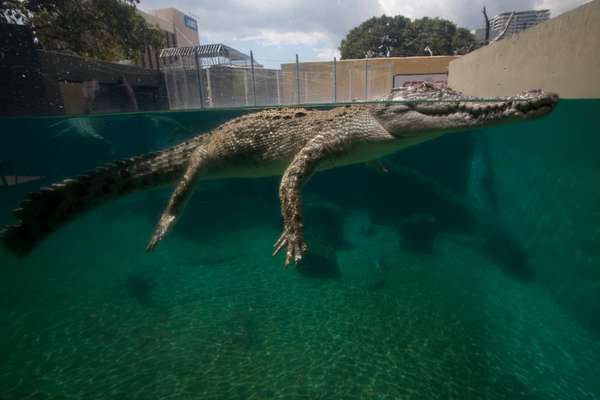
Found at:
[270, 37]
[314, 28]
[326, 53]
[467, 13]
[559, 6]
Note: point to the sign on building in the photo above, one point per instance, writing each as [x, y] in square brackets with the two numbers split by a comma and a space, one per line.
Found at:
[190, 23]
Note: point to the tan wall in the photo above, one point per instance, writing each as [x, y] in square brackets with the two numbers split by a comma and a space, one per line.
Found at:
[561, 55]
[171, 20]
[316, 78]
[174, 18]
[156, 21]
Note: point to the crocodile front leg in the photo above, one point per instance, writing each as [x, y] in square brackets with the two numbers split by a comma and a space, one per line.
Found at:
[182, 193]
[297, 173]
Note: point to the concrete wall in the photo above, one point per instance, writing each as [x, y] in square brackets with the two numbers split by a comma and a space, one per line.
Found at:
[174, 17]
[316, 78]
[64, 78]
[561, 55]
[24, 89]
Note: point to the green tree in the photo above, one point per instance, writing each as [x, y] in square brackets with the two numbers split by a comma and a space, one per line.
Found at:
[399, 36]
[463, 41]
[377, 37]
[103, 29]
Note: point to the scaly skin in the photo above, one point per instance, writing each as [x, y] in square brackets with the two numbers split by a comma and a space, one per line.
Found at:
[292, 142]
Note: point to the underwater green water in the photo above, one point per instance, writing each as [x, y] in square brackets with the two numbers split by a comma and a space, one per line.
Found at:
[470, 270]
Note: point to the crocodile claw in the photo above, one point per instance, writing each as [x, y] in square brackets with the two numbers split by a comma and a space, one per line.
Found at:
[163, 226]
[296, 247]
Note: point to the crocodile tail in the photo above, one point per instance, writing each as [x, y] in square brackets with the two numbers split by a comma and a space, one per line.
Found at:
[46, 210]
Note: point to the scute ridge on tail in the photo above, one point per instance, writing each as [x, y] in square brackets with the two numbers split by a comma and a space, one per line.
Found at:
[44, 211]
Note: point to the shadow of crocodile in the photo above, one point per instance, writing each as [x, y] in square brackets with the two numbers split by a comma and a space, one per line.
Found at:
[140, 287]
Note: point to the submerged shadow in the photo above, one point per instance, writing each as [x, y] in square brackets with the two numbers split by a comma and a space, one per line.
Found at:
[141, 287]
[241, 330]
[508, 253]
[421, 208]
[418, 232]
[320, 262]
[324, 229]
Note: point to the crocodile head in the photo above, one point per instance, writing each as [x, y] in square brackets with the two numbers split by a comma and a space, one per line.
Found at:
[428, 110]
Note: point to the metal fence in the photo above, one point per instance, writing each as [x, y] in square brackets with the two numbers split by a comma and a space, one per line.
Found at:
[199, 77]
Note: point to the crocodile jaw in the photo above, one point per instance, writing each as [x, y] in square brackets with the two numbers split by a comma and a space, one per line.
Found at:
[457, 113]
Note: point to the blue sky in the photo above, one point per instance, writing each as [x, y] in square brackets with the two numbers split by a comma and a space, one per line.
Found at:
[278, 29]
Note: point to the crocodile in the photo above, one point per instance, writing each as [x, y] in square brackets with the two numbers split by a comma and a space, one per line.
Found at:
[291, 142]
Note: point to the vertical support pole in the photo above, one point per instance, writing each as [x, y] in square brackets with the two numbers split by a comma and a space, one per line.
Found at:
[199, 78]
[305, 87]
[209, 93]
[366, 79]
[334, 82]
[245, 70]
[186, 88]
[297, 80]
[253, 78]
[278, 89]
[486, 40]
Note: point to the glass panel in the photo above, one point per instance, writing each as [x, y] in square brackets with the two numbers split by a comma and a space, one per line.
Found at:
[462, 264]
[453, 248]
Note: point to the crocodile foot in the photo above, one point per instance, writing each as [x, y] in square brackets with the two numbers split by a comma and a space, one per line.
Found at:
[296, 246]
[163, 226]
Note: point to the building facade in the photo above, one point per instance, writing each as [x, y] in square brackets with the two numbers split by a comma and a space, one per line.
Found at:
[178, 29]
[516, 21]
[183, 26]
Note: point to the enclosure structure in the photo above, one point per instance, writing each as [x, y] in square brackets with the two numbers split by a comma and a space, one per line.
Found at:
[216, 75]
[357, 79]
[41, 82]
[559, 55]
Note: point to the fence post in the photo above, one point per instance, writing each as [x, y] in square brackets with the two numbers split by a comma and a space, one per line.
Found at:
[297, 80]
[366, 79]
[245, 86]
[278, 89]
[334, 82]
[199, 77]
[253, 79]
[209, 94]
[305, 97]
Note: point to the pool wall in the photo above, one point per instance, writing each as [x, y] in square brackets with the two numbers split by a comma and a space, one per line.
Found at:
[559, 56]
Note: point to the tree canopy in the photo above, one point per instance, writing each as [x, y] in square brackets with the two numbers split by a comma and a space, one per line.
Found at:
[399, 36]
[103, 29]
